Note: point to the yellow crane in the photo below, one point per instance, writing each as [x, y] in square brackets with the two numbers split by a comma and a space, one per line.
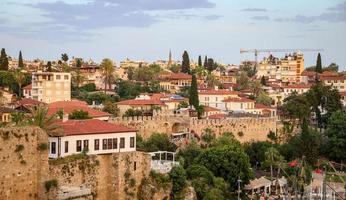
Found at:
[258, 51]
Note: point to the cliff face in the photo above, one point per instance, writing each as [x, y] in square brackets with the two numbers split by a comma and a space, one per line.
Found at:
[26, 173]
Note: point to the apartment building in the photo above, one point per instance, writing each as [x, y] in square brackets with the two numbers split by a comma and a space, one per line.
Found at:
[175, 81]
[50, 87]
[298, 88]
[335, 80]
[287, 69]
[215, 97]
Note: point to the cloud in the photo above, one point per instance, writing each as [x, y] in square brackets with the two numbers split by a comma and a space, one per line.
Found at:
[260, 18]
[254, 10]
[213, 17]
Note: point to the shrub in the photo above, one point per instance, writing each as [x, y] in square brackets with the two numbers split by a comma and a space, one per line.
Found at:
[50, 184]
[43, 146]
[19, 148]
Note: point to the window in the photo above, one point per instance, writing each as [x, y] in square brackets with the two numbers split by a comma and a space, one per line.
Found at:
[115, 143]
[57, 77]
[96, 144]
[122, 143]
[110, 144]
[79, 145]
[104, 144]
[132, 142]
[66, 77]
[86, 145]
[66, 146]
[53, 148]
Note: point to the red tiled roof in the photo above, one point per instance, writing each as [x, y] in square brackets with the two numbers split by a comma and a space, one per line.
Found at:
[70, 106]
[218, 92]
[91, 126]
[218, 116]
[29, 102]
[141, 102]
[308, 73]
[342, 93]
[180, 76]
[210, 109]
[262, 106]
[28, 87]
[333, 78]
[238, 100]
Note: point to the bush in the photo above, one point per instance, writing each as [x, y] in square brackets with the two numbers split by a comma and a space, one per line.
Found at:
[79, 114]
[43, 146]
[50, 184]
[19, 148]
[178, 176]
[195, 171]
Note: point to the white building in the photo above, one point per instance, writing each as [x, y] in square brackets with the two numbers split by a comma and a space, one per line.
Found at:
[93, 137]
[299, 89]
[215, 97]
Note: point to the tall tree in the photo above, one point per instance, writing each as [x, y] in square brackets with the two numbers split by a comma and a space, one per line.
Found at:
[193, 99]
[41, 119]
[20, 61]
[49, 66]
[107, 72]
[3, 60]
[205, 64]
[336, 133]
[78, 78]
[185, 65]
[210, 64]
[199, 60]
[64, 57]
[19, 76]
[263, 81]
[319, 64]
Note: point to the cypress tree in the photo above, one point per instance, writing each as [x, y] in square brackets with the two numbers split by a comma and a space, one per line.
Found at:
[3, 60]
[205, 64]
[185, 65]
[319, 64]
[210, 64]
[20, 61]
[199, 60]
[49, 67]
[263, 81]
[193, 96]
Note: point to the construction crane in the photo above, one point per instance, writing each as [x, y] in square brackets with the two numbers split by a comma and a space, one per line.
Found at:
[258, 51]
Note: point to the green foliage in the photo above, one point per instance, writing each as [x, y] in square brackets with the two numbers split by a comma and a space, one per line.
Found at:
[43, 146]
[19, 148]
[108, 72]
[296, 107]
[193, 97]
[3, 60]
[20, 61]
[243, 81]
[79, 114]
[232, 163]
[256, 152]
[18, 118]
[175, 68]
[208, 136]
[336, 134]
[68, 159]
[272, 136]
[90, 87]
[263, 98]
[97, 97]
[183, 104]
[195, 171]
[319, 64]
[49, 67]
[185, 65]
[201, 186]
[184, 91]
[160, 179]
[50, 184]
[190, 153]
[128, 89]
[159, 142]
[214, 194]
[178, 177]
[263, 80]
[132, 113]
[111, 108]
[64, 57]
[199, 60]
[146, 73]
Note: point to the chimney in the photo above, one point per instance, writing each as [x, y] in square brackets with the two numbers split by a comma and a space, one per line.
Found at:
[64, 117]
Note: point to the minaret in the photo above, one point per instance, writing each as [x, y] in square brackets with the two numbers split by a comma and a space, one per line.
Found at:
[169, 58]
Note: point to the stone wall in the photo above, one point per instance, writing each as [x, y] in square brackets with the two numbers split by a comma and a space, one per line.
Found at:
[255, 129]
[23, 163]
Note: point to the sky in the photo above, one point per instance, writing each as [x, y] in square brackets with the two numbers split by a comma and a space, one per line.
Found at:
[147, 29]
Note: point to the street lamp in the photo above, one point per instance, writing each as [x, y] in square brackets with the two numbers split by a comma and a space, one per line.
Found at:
[239, 191]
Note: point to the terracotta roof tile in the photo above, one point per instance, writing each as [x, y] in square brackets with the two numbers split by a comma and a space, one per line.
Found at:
[218, 116]
[91, 126]
[218, 92]
[180, 76]
[28, 87]
[141, 102]
[29, 102]
[238, 100]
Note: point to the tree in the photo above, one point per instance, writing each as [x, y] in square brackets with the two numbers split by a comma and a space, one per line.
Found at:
[78, 78]
[185, 65]
[111, 108]
[227, 161]
[205, 64]
[20, 79]
[263, 98]
[20, 61]
[319, 64]
[79, 114]
[17, 118]
[333, 67]
[336, 134]
[178, 177]
[108, 72]
[41, 119]
[199, 61]
[159, 142]
[49, 67]
[3, 60]
[256, 87]
[128, 89]
[214, 194]
[296, 107]
[273, 159]
[210, 64]
[64, 57]
[183, 104]
[193, 94]
[243, 81]
[263, 81]
[208, 136]
[190, 153]
[132, 112]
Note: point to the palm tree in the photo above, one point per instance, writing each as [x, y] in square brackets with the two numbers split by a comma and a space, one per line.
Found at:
[274, 159]
[108, 72]
[41, 119]
[17, 118]
[19, 76]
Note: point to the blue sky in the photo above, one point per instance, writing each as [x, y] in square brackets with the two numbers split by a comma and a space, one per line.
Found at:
[147, 29]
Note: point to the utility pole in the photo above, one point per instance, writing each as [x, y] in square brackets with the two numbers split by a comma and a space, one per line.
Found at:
[324, 186]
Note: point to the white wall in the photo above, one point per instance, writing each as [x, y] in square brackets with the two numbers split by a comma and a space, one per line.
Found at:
[72, 143]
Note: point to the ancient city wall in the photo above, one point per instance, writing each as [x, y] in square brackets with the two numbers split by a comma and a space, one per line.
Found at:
[23, 163]
[251, 128]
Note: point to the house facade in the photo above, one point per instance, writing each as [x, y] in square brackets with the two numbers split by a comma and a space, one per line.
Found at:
[91, 136]
[215, 97]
